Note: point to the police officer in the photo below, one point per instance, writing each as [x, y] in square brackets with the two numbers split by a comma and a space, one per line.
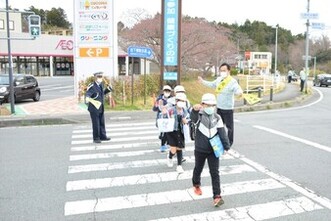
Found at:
[95, 97]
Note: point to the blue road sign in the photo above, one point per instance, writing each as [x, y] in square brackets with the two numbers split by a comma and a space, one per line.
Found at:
[139, 52]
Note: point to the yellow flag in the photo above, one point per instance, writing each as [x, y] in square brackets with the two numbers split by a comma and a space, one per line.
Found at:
[95, 103]
[251, 98]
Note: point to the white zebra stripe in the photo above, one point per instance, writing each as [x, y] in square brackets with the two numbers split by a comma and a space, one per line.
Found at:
[255, 212]
[150, 199]
[149, 178]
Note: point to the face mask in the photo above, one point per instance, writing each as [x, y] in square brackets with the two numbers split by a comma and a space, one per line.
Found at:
[166, 94]
[99, 80]
[181, 104]
[209, 110]
[224, 74]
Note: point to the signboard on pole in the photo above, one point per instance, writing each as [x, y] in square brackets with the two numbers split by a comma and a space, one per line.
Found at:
[95, 39]
[308, 15]
[317, 25]
[140, 52]
[170, 32]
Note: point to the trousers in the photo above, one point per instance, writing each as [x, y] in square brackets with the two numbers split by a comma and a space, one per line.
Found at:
[213, 164]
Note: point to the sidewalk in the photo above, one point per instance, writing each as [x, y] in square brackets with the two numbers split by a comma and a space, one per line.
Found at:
[67, 109]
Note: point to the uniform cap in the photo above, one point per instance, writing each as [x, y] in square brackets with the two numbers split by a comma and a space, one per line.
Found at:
[208, 99]
[179, 88]
[166, 87]
[181, 96]
[97, 74]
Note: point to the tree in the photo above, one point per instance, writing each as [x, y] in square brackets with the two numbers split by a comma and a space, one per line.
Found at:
[57, 17]
[199, 50]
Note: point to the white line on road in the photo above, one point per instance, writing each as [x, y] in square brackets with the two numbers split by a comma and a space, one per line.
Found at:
[307, 142]
[114, 146]
[117, 129]
[126, 133]
[149, 178]
[168, 197]
[255, 212]
[295, 186]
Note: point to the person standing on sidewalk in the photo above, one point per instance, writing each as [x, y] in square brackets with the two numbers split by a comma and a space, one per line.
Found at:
[303, 78]
[210, 124]
[226, 88]
[95, 94]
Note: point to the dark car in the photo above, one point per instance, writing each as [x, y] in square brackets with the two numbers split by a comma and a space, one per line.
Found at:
[25, 87]
[295, 77]
[322, 79]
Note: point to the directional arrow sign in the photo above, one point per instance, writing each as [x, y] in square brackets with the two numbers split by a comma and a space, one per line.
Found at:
[309, 15]
[94, 52]
[316, 25]
[139, 52]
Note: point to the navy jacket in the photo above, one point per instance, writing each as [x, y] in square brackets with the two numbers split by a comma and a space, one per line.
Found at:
[98, 93]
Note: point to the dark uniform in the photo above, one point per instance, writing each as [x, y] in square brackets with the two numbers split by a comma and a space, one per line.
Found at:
[97, 91]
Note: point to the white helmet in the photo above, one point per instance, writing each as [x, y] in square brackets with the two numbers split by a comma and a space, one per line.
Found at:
[181, 96]
[208, 99]
[166, 87]
[179, 88]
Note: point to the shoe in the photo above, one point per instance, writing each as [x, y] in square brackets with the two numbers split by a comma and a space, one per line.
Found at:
[106, 139]
[96, 141]
[163, 148]
[180, 169]
[218, 201]
[170, 162]
[183, 160]
[197, 190]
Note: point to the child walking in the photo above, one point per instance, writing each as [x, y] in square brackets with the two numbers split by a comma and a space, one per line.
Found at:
[209, 125]
[175, 138]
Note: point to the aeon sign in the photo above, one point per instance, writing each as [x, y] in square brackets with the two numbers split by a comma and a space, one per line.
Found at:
[65, 45]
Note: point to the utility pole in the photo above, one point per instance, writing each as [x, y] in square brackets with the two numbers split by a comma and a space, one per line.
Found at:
[276, 50]
[10, 59]
[307, 49]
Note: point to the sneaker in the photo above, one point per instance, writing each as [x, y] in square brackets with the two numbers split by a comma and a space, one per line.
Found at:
[218, 201]
[183, 160]
[197, 190]
[163, 148]
[180, 169]
[170, 162]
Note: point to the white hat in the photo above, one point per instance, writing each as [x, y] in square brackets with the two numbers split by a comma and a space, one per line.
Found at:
[208, 99]
[181, 96]
[179, 88]
[166, 87]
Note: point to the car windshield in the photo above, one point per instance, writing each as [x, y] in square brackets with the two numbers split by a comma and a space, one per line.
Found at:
[4, 80]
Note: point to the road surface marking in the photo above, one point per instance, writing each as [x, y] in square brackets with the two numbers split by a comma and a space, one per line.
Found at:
[167, 197]
[255, 212]
[150, 178]
[304, 141]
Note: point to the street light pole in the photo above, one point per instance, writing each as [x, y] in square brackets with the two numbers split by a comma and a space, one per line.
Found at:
[314, 67]
[307, 49]
[11, 83]
[276, 47]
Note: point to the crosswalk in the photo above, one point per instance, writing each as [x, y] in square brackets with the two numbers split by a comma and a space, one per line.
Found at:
[128, 179]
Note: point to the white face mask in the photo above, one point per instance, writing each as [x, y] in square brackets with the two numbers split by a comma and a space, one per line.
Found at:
[99, 80]
[181, 104]
[166, 94]
[224, 74]
[209, 110]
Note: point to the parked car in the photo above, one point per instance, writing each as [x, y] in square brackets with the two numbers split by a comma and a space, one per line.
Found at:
[322, 79]
[295, 77]
[25, 87]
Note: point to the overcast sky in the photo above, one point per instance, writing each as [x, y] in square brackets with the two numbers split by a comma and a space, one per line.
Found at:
[286, 13]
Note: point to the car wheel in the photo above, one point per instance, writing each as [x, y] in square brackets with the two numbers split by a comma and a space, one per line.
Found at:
[36, 96]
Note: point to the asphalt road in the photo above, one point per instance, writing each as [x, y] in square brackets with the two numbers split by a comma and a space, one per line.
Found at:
[279, 170]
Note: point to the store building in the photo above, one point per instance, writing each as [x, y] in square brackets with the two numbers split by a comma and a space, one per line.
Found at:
[51, 54]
